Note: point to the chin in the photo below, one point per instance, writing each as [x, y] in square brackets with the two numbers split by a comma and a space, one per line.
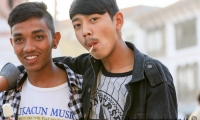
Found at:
[98, 57]
[31, 69]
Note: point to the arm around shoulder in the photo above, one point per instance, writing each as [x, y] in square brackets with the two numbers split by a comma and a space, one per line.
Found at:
[9, 74]
[77, 64]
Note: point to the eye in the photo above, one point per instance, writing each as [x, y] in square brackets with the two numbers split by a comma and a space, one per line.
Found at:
[18, 40]
[94, 19]
[77, 26]
[39, 37]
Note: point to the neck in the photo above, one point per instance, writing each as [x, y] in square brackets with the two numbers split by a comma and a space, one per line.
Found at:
[120, 60]
[48, 76]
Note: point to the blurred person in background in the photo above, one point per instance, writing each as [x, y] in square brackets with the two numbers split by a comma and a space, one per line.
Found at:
[119, 82]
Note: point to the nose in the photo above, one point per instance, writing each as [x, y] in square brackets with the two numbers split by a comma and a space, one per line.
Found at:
[86, 30]
[29, 46]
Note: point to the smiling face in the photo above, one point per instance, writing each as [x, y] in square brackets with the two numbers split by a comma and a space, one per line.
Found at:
[32, 42]
[99, 31]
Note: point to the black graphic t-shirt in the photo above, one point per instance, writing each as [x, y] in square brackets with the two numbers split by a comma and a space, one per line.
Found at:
[109, 95]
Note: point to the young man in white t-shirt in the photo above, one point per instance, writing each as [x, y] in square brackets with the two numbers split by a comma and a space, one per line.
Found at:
[45, 90]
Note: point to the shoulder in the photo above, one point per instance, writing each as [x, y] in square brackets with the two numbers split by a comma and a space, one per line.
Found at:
[7, 96]
[74, 78]
[149, 61]
[157, 72]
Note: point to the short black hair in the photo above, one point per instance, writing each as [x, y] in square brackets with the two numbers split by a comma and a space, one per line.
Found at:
[27, 10]
[88, 7]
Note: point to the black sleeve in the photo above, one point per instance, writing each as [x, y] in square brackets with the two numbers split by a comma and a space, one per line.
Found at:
[77, 64]
[11, 73]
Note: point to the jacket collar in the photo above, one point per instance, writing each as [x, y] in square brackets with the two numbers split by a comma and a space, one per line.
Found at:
[139, 60]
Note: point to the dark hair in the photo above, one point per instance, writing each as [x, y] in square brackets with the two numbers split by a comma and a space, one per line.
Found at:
[27, 10]
[88, 7]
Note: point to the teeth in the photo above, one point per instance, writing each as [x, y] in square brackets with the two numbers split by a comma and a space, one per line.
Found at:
[31, 57]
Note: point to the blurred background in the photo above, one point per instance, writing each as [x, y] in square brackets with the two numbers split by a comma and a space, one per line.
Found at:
[168, 30]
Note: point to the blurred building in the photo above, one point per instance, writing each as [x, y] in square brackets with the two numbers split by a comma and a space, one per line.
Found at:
[69, 44]
[172, 35]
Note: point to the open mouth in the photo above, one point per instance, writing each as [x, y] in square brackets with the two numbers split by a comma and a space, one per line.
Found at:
[31, 57]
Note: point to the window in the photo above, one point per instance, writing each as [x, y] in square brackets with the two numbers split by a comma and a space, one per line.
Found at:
[156, 42]
[186, 34]
[187, 77]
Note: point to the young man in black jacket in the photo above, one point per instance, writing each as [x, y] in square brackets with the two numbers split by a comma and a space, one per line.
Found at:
[119, 82]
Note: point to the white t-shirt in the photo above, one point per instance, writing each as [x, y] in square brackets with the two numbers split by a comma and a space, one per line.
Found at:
[44, 103]
[109, 97]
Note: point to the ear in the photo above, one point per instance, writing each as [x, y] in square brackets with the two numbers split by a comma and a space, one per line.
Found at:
[56, 39]
[11, 42]
[119, 20]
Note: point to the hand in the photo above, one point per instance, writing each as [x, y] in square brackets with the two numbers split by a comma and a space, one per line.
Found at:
[9, 118]
[3, 83]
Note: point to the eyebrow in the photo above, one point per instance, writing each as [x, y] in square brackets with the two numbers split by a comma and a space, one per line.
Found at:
[37, 31]
[17, 34]
[75, 19]
[34, 32]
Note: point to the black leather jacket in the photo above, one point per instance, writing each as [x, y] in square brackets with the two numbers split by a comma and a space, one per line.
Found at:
[151, 92]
